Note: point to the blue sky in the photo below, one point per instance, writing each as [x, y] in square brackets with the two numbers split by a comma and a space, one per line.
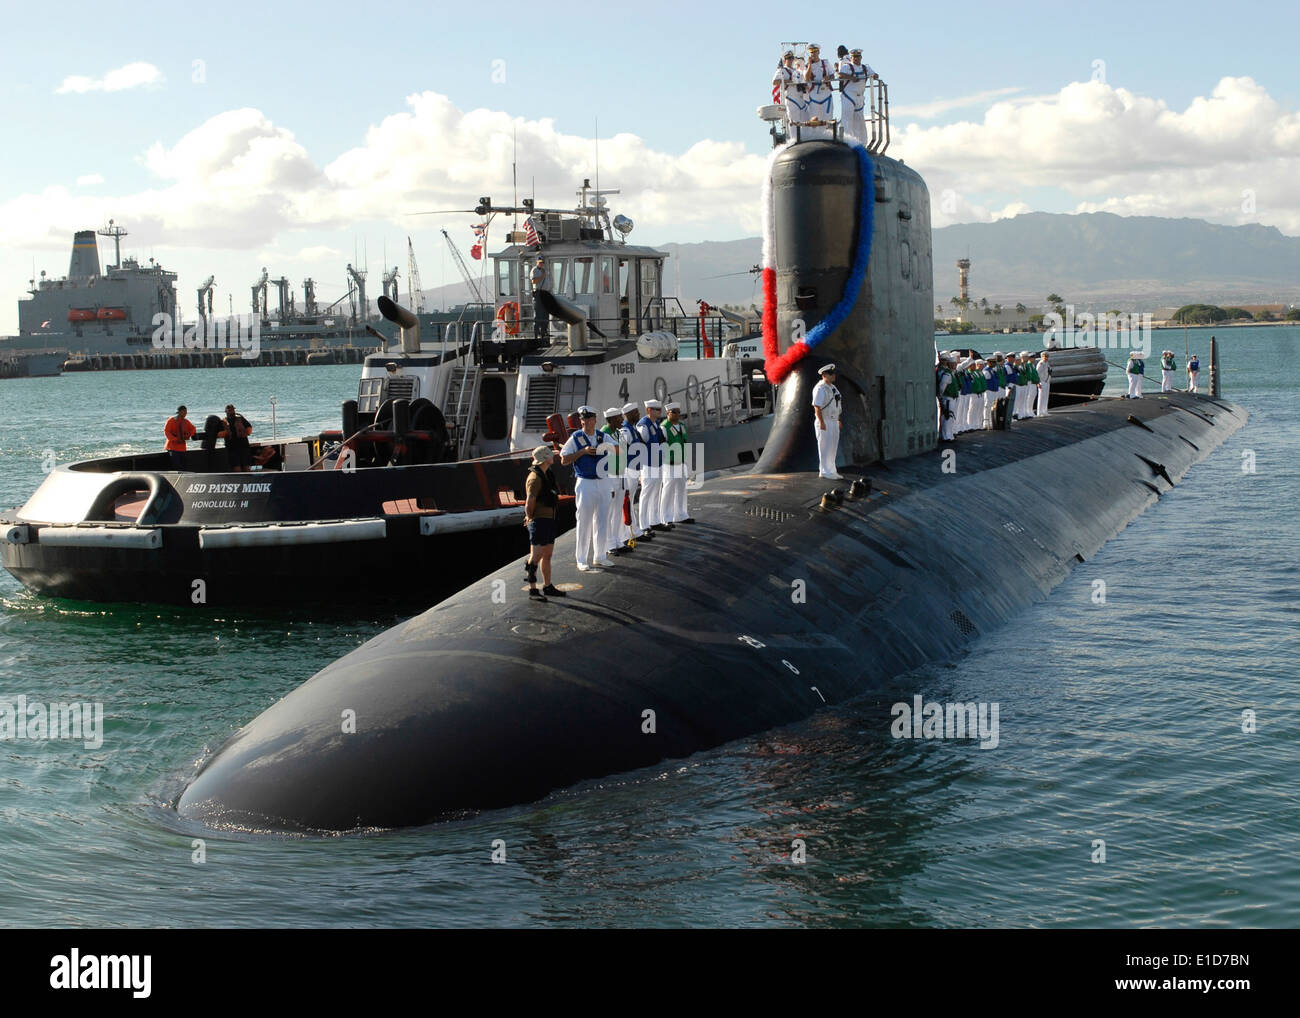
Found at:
[672, 74]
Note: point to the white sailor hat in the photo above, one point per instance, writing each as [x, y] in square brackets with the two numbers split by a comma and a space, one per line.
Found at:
[826, 369]
[630, 408]
[586, 411]
[1132, 355]
[671, 406]
[998, 353]
[613, 412]
[951, 357]
[653, 404]
[1024, 353]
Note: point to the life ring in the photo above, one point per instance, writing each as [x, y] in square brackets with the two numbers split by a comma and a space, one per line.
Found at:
[509, 313]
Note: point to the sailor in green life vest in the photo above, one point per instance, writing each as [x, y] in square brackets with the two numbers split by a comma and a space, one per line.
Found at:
[948, 391]
[1194, 373]
[616, 468]
[963, 395]
[1167, 368]
[1031, 384]
[672, 503]
[1134, 371]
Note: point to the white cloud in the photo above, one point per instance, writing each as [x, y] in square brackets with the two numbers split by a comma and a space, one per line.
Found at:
[239, 181]
[134, 75]
[1232, 157]
[89, 180]
[927, 111]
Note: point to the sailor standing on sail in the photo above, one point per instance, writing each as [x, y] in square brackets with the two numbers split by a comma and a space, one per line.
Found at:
[1194, 373]
[853, 75]
[787, 88]
[1044, 383]
[1135, 370]
[584, 453]
[818, 75]
[616, 459]
[652, 438]
[1167, 368]
[826, 403]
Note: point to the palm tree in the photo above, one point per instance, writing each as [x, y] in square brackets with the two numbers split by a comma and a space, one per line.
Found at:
[1021, 309]
[997, 309]
[984, 302]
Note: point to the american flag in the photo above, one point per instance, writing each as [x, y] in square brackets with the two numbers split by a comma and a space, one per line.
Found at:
[530, 233]
[480, 231]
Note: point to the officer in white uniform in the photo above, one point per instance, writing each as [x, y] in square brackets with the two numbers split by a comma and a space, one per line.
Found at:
[853, 75]
[652, 437]
[826, 401]
[1194, 373]
[1044, 383]
[819, 74]
[583, 451]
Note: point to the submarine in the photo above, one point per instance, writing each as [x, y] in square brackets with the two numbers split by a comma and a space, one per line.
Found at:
[786, 597]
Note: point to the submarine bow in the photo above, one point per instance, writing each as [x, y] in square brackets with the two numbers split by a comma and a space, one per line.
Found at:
[695, 639]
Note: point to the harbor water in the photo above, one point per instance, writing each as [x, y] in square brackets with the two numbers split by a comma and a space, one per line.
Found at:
[1144, 771]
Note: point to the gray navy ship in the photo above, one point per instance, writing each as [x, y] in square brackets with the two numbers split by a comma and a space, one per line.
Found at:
[97, 318]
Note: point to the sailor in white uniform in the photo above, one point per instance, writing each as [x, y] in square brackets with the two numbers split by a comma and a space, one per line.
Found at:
[826, 403]
[1167, 368]
[1044, 383]
[853, 75]
[617, 461]
[789, 89]
[633, 532]
[1134, 371]
[583, 451]
[1194, 373]
[948, 391]
[652, 438]
[819, 75]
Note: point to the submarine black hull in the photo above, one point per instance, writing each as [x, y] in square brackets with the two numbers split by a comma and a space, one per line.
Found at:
[766, 610]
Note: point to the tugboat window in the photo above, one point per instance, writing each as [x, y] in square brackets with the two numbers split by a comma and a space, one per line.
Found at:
[571, 392]
[606, 274]
[505, 280]
[584, 276]
[559, 272]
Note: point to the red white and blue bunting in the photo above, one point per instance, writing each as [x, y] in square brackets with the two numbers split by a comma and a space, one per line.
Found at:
[778, 365]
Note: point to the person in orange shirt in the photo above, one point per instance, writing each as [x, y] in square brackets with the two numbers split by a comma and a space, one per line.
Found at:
[178, 430]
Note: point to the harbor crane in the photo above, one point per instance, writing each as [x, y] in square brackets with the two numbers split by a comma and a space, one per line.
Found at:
[414, 294]
[206, 290]
[464, 270]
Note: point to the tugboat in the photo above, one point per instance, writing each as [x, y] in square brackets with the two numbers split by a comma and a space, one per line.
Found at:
[420, 491]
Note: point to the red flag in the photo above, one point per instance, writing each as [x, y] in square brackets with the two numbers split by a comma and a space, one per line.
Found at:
[476, 252]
